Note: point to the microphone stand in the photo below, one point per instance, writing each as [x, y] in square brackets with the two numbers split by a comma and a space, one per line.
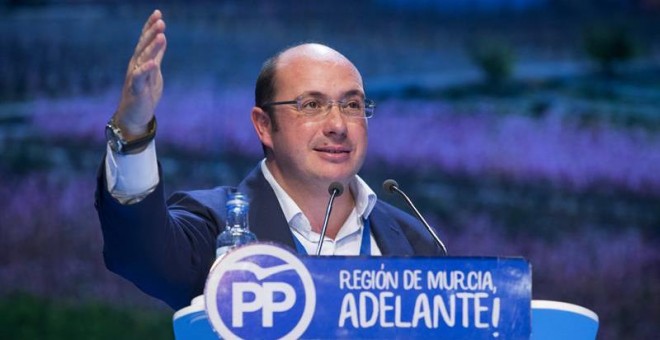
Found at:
[392, 186]
[335, 190]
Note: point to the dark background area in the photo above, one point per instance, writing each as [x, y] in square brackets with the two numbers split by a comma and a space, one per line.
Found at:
[521, 127]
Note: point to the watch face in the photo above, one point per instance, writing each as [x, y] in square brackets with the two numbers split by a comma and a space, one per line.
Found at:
[116, 146]
[113, 139]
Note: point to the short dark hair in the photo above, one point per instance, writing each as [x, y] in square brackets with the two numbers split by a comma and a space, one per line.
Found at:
[264, 90]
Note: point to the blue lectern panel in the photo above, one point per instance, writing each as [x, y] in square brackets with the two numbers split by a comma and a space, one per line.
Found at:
[264, 291]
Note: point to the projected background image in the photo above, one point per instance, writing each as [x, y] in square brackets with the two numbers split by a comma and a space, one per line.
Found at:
[521, 128]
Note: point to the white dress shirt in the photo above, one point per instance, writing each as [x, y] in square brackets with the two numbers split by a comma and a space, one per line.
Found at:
[130, 178]
[349, 237]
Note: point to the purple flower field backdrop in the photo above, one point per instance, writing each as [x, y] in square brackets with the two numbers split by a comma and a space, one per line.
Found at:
[408, 134]
[564, 172]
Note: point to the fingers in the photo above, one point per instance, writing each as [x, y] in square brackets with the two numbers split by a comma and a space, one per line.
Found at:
[151, 66]
[160, 52]
[155, 50]
[152, 18]
[152, 55]
[151, 40]
[147, 37]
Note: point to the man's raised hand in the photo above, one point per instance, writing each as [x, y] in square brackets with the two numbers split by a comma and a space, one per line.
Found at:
[143, 85]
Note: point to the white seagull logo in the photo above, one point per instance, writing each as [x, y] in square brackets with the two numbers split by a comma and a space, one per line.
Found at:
[259, 272]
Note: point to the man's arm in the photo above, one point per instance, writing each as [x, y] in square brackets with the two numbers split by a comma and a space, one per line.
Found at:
[131, 177]
[163, 250]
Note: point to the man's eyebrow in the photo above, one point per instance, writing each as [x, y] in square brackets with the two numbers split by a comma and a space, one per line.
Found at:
[350, 93]
[314, 94]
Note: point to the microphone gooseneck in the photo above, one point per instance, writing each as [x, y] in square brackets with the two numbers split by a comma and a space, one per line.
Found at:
[392, 186]
[335, 190]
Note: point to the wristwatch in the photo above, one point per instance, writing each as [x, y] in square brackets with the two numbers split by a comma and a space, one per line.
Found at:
[119, 145]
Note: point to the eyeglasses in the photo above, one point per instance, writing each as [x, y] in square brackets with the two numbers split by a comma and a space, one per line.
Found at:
[317, 107]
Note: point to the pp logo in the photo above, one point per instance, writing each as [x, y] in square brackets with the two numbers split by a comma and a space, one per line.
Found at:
[260, 291]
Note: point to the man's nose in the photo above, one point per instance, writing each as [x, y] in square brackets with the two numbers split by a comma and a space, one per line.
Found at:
[335, 120]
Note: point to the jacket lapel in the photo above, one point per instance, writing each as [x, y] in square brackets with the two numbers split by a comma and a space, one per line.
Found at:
[267, 220]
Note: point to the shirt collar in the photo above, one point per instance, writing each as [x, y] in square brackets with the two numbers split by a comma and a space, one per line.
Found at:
[365, 198]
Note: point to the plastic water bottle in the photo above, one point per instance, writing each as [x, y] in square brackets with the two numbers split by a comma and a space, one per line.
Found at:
[237, 230]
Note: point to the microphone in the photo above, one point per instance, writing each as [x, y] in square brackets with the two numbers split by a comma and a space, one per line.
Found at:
[392, 186]
[335, 190]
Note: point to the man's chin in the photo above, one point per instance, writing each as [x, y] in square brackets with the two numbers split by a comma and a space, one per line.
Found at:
[341, 177]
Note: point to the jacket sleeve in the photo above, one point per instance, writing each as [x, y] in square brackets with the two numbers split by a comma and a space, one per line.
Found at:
[164, 247]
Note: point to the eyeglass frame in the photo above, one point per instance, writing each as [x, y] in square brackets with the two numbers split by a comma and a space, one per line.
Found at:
[369, 106]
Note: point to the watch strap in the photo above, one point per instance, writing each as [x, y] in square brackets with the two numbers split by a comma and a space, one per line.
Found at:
[119, 144]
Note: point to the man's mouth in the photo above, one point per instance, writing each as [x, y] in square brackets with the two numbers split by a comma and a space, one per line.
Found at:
[334, 150]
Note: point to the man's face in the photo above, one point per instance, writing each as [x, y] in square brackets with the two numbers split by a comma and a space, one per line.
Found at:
[316, 152]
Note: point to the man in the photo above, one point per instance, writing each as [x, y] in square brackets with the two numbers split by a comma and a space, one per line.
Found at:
[311, 118]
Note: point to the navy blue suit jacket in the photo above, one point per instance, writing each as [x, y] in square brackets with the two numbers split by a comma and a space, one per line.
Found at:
[167, 247]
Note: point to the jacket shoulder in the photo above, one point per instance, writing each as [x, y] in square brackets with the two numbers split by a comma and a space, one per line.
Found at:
[413, 229]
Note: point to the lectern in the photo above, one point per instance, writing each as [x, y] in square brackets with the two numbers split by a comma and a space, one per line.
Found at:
[265, 291]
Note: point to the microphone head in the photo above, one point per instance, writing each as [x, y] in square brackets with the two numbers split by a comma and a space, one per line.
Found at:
[389, 185]
[336, 186]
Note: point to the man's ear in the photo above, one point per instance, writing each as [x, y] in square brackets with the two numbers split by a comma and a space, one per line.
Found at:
[263, 125]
